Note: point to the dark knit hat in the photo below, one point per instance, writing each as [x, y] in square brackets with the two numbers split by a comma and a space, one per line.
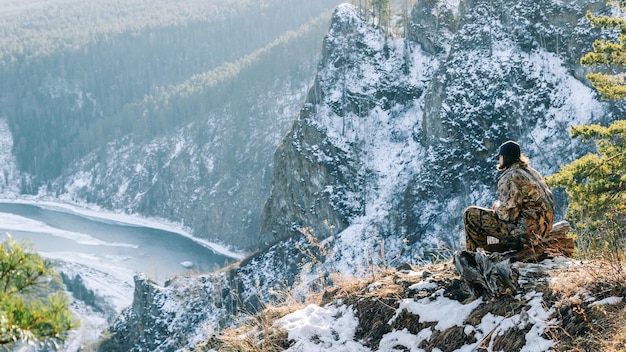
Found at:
[510, 149]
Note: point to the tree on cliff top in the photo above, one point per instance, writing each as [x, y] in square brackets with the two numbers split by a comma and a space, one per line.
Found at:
[24, 314]
[609, 57]
[596, 183]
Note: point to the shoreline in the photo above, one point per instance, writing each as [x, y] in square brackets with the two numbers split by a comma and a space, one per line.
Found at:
[124, 219]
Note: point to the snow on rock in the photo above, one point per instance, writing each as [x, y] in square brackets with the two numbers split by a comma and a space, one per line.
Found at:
[336, 326]
[442, 310]
[175, 315]
[322, 329]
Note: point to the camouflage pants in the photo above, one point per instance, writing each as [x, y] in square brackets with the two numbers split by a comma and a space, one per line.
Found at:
[481, 223]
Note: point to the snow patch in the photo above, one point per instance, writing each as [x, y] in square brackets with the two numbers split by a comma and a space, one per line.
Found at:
[442, 310]
[609, 301]
[326, 329]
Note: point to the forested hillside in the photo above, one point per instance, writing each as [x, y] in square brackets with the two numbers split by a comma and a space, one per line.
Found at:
[168, 109]
[72, 70]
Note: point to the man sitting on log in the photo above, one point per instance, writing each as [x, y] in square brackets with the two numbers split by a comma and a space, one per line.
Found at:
[522, 216]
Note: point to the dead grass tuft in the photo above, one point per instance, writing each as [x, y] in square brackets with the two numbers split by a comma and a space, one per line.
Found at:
[596, 277]
[590, 328]
[257, 333]
[584, 326]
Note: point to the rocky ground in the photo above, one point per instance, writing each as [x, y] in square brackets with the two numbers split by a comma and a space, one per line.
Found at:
[558, 304]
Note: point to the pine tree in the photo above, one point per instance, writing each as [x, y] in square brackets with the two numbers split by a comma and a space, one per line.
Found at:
[24, 314]
[596, 186]
[596, 183]
[383, 9]
[608, 56]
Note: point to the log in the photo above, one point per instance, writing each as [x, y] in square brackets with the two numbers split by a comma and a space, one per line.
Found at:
[555, 244]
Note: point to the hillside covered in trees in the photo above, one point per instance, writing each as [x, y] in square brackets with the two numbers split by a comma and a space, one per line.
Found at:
[73, 71]
[82, 81]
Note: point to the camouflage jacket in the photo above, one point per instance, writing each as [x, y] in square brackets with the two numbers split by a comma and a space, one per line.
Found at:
[525, 202]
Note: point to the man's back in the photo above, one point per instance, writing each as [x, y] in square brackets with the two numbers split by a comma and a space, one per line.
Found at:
[525, 201]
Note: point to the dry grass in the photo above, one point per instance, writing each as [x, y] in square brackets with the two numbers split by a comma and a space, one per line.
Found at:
[257, 333]
[582, 326]
[375, 299]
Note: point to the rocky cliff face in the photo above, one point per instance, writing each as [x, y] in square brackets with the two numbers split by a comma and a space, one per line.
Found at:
[512, 72]
[397, 136]
[397, 132]
[360, 110]
[166, 318]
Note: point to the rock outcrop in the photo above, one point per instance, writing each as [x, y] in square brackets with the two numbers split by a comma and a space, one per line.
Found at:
[395, 133]
[555, 305]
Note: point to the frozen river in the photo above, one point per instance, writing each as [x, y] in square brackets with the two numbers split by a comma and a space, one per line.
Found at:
[106, 253]
[59, 234]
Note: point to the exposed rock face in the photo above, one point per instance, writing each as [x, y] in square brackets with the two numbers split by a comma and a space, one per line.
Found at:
[321, 169]
[307, 157]
[508, 75]
[396, 138]
[166, 318]
[433, 24]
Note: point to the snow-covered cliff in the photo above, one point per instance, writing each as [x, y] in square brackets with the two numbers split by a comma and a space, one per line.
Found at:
[399, 135]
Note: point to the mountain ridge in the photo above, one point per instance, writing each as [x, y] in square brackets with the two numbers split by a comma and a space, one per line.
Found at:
[161, 118]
